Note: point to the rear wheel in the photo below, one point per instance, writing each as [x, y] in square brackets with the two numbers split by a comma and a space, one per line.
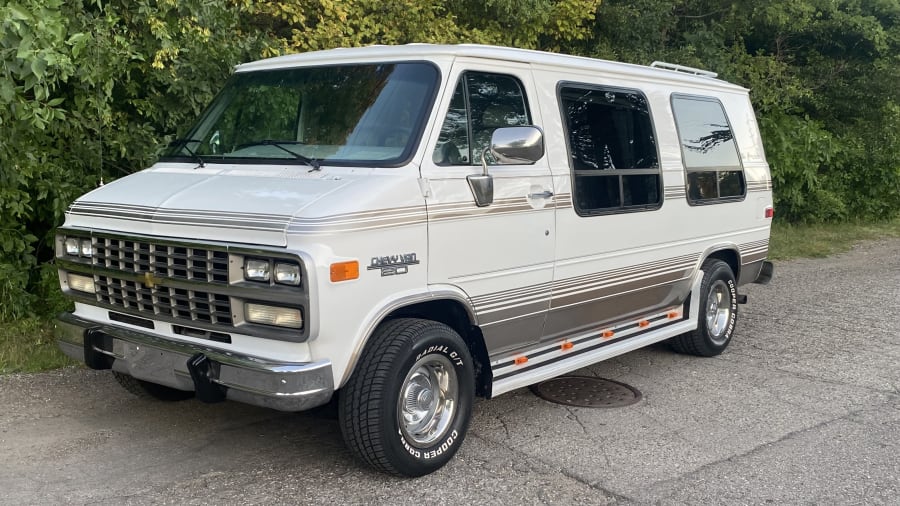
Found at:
[149, 390]
[406, 408]
[718, 312]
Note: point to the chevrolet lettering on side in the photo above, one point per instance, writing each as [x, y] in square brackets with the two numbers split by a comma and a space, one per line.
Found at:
[404, 228]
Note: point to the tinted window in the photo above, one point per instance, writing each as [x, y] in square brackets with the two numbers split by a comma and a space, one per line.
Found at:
[708, 149]
[342, 114]
[481, 103]
[612, 148]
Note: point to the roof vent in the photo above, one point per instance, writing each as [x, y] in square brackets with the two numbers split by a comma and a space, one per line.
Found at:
[682, 68]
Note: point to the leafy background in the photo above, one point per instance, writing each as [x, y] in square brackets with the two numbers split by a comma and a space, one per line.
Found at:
[91, 89]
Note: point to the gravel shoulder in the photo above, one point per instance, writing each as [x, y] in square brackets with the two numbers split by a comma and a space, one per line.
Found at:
[804, 407]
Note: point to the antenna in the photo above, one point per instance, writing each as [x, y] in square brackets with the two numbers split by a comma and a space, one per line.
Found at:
[682, 68]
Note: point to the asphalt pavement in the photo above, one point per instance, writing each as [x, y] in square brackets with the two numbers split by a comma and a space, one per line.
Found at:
[803, 408]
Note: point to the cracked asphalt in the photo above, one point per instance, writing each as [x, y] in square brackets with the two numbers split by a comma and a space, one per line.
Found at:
[803, 408]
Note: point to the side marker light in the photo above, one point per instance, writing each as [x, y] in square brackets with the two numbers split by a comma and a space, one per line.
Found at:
[344, 271]
[672, 315]
[607, 334]
[566, 346]
[520, 360]
[643, 323]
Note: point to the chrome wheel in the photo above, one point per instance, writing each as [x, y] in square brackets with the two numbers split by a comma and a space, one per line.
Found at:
[428, 400]
[718, 311]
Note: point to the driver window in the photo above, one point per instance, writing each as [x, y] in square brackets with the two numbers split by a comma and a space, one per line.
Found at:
[481, 103]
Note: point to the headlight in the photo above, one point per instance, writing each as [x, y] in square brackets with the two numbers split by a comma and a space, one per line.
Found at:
[287, 274]
[87, 249]
[73, 245]
[256, 270]
[77, 246]
[273, 315]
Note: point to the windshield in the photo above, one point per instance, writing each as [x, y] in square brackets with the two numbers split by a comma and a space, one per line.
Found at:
[338, 115]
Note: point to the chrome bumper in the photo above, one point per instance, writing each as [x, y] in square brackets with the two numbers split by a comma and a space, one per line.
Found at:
[285, 386]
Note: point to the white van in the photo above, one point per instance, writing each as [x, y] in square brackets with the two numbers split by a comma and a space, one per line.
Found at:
[410, 227]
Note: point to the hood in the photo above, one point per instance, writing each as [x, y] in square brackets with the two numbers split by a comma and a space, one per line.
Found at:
[238, 204]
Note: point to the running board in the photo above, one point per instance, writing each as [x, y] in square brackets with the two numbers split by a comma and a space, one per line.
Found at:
[552, 360]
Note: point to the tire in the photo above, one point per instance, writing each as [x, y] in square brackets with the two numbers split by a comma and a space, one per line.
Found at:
[718, 313]
[147, 390]
[390, 415]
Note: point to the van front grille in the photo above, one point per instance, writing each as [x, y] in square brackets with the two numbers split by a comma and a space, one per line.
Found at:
[178, 303]
[162, 260]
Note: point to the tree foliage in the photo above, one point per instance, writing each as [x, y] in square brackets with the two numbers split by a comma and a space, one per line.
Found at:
[90, 89]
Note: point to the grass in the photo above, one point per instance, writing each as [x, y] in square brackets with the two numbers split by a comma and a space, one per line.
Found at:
[28, 345]
[822, 240]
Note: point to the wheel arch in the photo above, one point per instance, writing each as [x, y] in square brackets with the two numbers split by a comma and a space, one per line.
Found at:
[448, 307]
[727, 253]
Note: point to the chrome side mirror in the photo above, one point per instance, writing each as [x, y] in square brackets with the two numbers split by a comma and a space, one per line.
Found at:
[517, 145]
[509, 146]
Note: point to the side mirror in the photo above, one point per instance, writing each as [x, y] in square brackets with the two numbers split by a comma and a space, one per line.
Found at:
[517, 145]
[510, 146]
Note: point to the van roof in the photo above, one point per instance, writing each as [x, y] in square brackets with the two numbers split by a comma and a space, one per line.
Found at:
[430, 51]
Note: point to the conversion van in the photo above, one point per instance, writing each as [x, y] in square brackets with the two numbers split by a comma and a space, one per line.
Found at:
[407, 228]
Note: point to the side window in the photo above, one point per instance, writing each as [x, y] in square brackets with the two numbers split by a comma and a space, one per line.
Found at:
[612, 148]
[710, 154]
[481, 103]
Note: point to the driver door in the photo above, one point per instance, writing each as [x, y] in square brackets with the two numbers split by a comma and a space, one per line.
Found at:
[502, 254]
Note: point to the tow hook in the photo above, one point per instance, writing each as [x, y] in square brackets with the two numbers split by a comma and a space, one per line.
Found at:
[201, 369]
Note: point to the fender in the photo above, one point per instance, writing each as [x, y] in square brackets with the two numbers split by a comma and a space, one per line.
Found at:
[399, 301]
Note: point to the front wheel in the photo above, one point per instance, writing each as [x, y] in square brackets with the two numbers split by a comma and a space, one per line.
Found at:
[406, 408]
[718, 312]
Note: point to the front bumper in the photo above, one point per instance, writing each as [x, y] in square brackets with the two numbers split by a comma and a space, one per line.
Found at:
[285, 386]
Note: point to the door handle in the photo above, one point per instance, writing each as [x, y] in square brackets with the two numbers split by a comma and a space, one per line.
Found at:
[542, 195]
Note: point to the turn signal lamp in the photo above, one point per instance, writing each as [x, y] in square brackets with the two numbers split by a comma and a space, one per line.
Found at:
[273, 315]
[81, 283]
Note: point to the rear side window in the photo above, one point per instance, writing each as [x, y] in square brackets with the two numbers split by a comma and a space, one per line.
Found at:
[710, 154]
[612, 149]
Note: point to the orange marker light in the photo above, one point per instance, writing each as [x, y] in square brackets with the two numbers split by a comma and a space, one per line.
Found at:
[566, 346]
[643, 323]
[608, 334]
[520, 360]
[672, 315]
[344, 271]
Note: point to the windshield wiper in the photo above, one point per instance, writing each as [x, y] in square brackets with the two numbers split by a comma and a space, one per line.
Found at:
[312, 162]
[183, 144]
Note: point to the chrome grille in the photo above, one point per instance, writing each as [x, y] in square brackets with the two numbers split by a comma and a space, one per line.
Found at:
[162, 260]
[178, 303]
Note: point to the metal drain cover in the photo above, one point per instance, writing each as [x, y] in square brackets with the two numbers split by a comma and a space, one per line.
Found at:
[586, 392]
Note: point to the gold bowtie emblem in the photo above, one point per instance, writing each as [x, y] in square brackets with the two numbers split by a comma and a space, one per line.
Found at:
[150, 281]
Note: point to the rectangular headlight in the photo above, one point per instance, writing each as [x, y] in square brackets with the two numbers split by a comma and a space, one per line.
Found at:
[87, 249]
[73, 246]
[256, 269]
[273, 315]
[81, 283]
[287, 274]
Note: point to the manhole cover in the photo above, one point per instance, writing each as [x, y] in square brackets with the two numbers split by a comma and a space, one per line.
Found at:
[586, 392]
